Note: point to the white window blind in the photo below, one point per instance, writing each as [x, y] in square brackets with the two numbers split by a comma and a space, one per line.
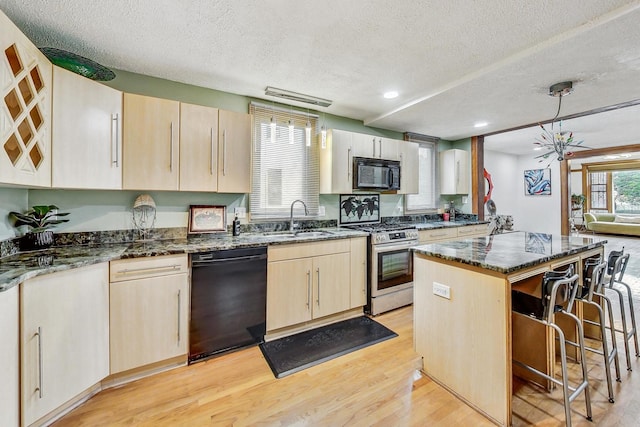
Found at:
[284, 169]
[428, 197]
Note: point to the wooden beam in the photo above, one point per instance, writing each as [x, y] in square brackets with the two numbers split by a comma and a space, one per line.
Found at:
[622, 149]
[571, 116]
[565, 192]
[477, 176]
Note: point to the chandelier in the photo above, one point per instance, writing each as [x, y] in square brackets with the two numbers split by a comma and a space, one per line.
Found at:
[557, 142]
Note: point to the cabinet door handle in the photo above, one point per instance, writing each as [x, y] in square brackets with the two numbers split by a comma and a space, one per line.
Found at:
[308, 288]
[374, 147]
[140, 270]
[318, 296]
[380, 147]
[212, 160]
[116, 119]
[39, 388]
[179, 317]
[171, 148]
[349, 163]
[224, 152]
[457, 174]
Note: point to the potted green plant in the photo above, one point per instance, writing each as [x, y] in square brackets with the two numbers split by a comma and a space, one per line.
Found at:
[577, 200]
[39, 219]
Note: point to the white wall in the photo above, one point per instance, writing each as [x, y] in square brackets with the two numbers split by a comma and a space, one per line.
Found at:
[503, 168]
[530, 213]
[539, 213]
[11, 199]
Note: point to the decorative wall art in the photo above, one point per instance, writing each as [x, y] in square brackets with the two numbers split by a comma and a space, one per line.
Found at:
[537, 182]
[539, 243]
[206, 219]
[359, 208]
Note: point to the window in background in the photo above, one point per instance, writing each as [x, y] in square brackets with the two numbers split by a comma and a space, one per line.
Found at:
[598, 191]
[284, 168]
[428, 197]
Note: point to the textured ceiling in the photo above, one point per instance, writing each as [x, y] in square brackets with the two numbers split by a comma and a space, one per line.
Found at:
[453, 62]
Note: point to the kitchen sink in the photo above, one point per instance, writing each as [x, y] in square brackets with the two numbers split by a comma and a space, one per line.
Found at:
[313, 233]
[301, 233]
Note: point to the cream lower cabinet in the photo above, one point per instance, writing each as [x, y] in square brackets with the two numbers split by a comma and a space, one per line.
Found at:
[10, 358]
[358, 271]
[307, 281]
[149, 306]
[64, 338]
[453, 233]
[87, 133]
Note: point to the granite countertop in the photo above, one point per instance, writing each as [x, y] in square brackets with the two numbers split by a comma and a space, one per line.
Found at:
[16, 268]
[509, 252]
[431, 225]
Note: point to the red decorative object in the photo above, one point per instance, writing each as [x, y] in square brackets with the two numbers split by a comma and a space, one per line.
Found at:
[487, 176]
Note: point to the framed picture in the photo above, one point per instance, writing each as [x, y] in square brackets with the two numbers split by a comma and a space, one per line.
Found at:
[537, 182]
[207, 219]
[359, 208]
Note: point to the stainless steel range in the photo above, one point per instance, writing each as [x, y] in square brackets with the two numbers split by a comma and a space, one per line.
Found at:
[390, 266]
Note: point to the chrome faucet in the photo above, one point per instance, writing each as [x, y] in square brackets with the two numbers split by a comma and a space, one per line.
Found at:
[306, 212]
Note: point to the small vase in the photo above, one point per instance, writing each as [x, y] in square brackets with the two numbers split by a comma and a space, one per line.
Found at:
[35, 241]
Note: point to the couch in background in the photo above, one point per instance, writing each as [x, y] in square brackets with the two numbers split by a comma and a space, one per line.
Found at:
[610, 223]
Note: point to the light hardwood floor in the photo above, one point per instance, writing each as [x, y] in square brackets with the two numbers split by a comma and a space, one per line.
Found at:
[379, 385]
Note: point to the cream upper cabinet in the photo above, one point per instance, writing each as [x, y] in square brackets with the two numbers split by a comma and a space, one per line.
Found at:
[307, 281]
[149, 306]
[64, 337]
[87, 133]
[234, 152]
[25, 110]
[198, 148]
[409, 167]
[336, 163]
[150, 143]
[374, 147]
[358, 272]
[454, 172]
[10, 358]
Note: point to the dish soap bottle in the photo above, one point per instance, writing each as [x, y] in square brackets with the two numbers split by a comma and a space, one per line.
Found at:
[236, 226]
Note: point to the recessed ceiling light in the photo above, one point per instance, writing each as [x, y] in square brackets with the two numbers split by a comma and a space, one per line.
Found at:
[391, 94]
[537, 149]
[480, 124]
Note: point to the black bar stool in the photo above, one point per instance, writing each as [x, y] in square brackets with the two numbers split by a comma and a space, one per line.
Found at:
[593, 273]
[558, 295]
[616, 266]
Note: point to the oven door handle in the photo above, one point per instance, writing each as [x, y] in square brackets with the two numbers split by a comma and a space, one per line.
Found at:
[394, 247]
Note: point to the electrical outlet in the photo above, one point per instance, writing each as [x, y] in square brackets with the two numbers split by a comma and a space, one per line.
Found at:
[441, 290]
[321, 211]
[241, 212]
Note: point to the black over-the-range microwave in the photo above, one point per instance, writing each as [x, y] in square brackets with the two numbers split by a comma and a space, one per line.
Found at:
[376, 174]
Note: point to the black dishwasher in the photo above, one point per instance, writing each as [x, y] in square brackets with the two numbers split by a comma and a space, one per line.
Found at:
[228, 301]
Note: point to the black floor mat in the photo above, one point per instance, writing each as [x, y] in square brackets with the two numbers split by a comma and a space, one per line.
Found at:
[297, 352]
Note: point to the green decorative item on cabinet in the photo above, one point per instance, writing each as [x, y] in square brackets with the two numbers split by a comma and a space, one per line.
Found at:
[78, 64]
[39, 219]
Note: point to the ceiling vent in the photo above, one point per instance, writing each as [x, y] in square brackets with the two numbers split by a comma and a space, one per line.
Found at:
[298, 97]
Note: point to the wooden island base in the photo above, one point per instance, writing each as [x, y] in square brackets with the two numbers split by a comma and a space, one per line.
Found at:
[464, 328]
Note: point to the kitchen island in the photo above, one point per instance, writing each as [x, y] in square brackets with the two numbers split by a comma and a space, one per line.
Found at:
[463, 326]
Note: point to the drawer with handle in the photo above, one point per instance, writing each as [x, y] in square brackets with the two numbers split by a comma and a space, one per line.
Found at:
[139, 268]
[473, 230]
[428, 236]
